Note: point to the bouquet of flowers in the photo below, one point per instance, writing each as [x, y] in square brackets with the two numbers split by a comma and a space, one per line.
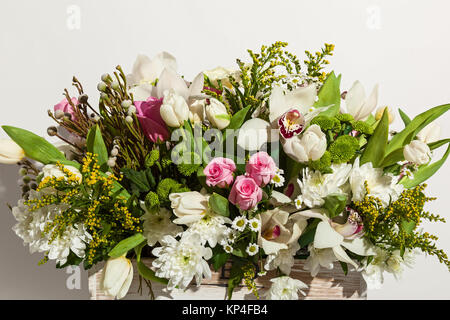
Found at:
[257, 166]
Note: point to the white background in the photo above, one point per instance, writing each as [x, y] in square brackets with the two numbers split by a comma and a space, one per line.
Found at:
[402, 45]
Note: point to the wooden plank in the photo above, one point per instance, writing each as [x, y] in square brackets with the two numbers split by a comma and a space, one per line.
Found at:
[328, 284]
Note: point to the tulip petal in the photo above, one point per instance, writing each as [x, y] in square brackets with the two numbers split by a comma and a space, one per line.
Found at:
[115, 273]
[253, 134]
[126, 285]
[369, 105]
[355, 98]
[326, 236]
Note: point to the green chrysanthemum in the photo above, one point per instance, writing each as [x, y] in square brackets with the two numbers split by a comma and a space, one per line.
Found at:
[363, 127]
[327, 123]
[343, 149]
[151, 158]
[168, 186]
[344, 117]
[323, 164]
[152, 201]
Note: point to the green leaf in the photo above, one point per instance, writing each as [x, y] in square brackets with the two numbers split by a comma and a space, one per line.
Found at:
[35, 147]
[149, 274]
[425, 172]
[344, 267]
[330, 95]
[236, 276]
[418, 123]
[393, 158]
[335, 204]
[127, 244]
[376, 146]
[408, 226]
[308, 235]
[238, 119]
[138, 178]
[96, 145]
[117, 188]
[219, 204]
[405, 118]
[219, 258]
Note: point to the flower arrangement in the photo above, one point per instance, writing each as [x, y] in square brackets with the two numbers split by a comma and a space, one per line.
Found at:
[259, 166]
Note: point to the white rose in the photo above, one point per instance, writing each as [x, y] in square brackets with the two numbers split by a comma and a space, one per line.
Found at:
[217, 114]
[430, 133]
[417, 152]
[311, 145]
[51, 170]
[10, 152]
[174, 109]
[189, 206]
[117, 276]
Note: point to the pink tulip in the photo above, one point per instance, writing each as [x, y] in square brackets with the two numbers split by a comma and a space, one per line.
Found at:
[153, 125]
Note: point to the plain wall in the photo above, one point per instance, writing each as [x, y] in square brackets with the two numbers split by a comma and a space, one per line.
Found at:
[402, 45]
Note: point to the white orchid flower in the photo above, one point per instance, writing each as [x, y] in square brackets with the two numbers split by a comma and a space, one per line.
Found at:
[328, 237]
[146, 71]
[357, 104]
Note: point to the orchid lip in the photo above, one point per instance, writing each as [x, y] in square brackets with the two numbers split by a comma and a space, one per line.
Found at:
[272, 233]
[291, 123]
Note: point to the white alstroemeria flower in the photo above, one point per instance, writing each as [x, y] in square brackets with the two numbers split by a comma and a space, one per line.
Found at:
[380, 185]
[417, 152]
[430, 133]
[181, 261]
[117, 277]
[10, 152]
[279, 229]
[217, 114]
[319, 258]
[327, 236]
[373, 272]
[158, 224]
[146, 71]
[289, 113]
[357, 104]
[285, 288]
[189, 206]
[316, 186]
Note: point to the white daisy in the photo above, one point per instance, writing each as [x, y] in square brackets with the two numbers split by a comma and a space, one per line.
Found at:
[228, 248]
[285, 288]
[181, 261]
[252, 249]
[254, 224]
[239, 223]
[298, 202]
[278, 179]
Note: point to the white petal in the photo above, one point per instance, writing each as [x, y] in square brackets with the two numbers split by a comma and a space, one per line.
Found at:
[196, 86]
[141, 92]
[326, 236]
[355, 98]
[341, 255]
[170, 80]
[280, 198]
[360, 246]
[302, 98]
[369, 105]
[253, 134]
[126, 285]
[277, 104]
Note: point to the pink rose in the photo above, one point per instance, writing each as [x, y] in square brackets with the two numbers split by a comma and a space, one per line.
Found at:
[153, 125]
[245, 193]
[261, 168]
[65, 107]
[219, 172]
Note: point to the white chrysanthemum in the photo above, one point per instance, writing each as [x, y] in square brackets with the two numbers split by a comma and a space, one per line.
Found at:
[181, 261]
[285, 288]
[315, 186]
[211, 228]
[254, 224]
[380, 185]
[283, 259]
[278, 179]
[319, 258]
[239, 223]
[158, 224]
[30, 228]
[252, 249]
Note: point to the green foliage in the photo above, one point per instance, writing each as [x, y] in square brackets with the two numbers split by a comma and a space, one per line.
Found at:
[309, 233]
[335, 204]
[219, 204]
[330, 96]
[317, 62]
[96, 145]
[152, 158]
[345, 117]
[376, 146]
[343, 149]
[141, 181]
[219, 258]
[152, 201]
[126, 245]
[35, 147]
[189, 165]
[404, 116]
[323, 164]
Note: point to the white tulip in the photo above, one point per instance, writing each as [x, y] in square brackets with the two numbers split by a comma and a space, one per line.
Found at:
[417, 152]
[430, 133]
[380, 111]
[117, 276]
[357, 104]
[189, 206]
[197, 110]
[174, 110]
[10, 152]
[51, 170]
[311, 145]
[217, 114]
